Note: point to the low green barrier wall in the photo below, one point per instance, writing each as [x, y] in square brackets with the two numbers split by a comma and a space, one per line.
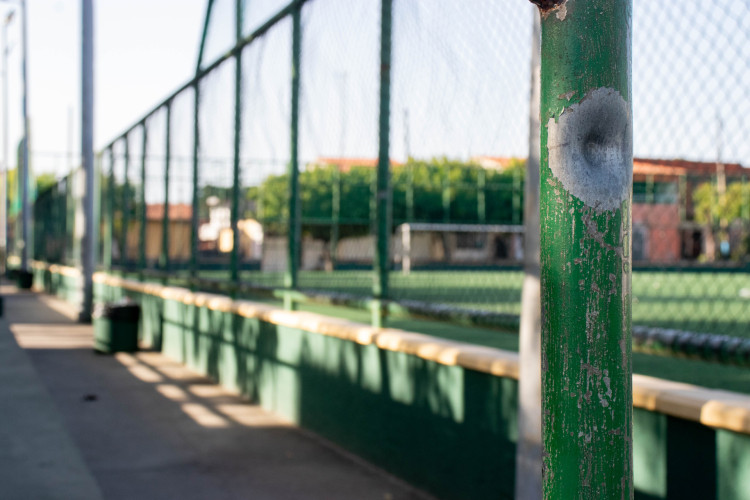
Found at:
[439, 414]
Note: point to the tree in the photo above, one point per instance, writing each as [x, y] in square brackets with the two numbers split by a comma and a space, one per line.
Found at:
[435, 190]
[717, 212]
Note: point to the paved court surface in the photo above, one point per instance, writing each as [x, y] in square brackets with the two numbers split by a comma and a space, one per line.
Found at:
[144, 427]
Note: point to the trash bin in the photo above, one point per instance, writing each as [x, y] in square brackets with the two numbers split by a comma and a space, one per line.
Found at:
[116, 326]
[25, 279]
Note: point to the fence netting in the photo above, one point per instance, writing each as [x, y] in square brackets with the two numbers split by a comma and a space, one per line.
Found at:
[203, 189]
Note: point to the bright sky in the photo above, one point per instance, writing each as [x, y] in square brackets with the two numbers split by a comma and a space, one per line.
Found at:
[460, 77]
[144, 50]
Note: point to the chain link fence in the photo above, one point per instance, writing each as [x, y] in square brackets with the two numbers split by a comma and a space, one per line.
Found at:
[262, 172]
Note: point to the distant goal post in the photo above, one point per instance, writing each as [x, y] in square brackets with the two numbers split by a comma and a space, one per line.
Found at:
[462, 244]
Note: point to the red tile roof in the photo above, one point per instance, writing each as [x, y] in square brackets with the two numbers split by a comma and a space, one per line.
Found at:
[649, 166]
[346, 164]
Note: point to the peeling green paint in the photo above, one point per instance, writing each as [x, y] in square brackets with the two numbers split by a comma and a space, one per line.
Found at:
[586, 160]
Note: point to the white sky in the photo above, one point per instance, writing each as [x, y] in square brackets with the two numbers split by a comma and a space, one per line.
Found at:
[144, 50]
[690, 68]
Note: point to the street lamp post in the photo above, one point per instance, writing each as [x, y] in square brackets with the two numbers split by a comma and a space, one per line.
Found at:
[24, 177]
[88, 253]
[25, 243]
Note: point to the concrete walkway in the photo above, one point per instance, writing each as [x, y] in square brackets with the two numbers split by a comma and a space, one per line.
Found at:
[81, 425]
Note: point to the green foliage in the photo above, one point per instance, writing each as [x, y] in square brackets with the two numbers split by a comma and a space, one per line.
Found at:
[440, 189]
[720, 212]
[710, 207]
[45, 182]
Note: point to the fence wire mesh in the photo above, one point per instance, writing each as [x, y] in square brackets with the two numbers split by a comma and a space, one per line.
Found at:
[458, 128]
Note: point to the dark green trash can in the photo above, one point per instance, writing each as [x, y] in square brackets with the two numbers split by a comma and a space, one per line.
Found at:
[25, 280]
[116, 327]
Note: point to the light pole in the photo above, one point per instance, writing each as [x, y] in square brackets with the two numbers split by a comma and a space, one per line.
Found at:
[24, 178]
[88, 249]
[25, 242]
[6, 167]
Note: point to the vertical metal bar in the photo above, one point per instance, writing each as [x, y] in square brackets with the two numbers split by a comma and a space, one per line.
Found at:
[295, 229]
[745, 203]
[650, 189]
[235, 255]
[586, 190]
[125, 206]
[110, 213]
[336, 215]
[204, 32]
[409, 191]
[142, 212]
[26, 237]
[682, 202]
[193, 269]
[446, 196]
[383, 191]
[529, 445]
[6, 166]
[164, 257]
[516, 196]
[481, 195]
[88, 257]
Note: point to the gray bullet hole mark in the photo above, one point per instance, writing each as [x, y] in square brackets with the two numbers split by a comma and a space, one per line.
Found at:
[590, 149]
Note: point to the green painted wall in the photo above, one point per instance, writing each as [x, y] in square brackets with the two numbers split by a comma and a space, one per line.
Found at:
[445, 429]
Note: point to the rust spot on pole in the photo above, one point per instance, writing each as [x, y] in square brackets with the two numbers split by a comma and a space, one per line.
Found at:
[545, 5]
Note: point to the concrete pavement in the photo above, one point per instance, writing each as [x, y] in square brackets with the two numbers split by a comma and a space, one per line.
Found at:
[144, 427]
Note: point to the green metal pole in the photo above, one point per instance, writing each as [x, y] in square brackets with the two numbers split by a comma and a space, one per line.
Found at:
[70, 216]
[235, 255]
[516, 196]
[204, 33]
[481, 195]
[383, 187]
[194, 214]
[125, 207]
[110, 213]
[446, 196]
[336, 202]
[410, 192]
[295, 229]
[682, 187]
[745, 210]
[142, 213]
[164, 257]
[586, 190]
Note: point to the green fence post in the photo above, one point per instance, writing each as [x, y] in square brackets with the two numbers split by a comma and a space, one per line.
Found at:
[234, 263]
[586, 188]
[194, 213]
[295, 229]
[745, 210]
[110, 213]
[481, 195]
[682, 202]
[446, 196]
[336, 215]
[383, 184]
[142, 213]
[164, 256]
[409, 191]
[71, 249]
[516, 196]
[125, 206]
